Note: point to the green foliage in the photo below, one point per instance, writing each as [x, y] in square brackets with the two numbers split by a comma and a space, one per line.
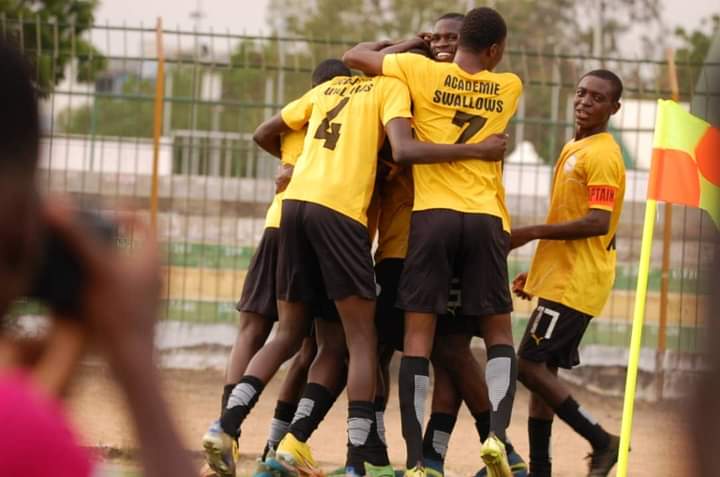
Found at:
[50, 33]
[113, 116]
[694, 49]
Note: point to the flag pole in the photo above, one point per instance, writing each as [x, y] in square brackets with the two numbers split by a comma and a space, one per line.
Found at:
[157, 121]
[636, 340]
[667, 242]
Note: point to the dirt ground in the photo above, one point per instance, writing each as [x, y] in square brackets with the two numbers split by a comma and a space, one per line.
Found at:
[659, 445]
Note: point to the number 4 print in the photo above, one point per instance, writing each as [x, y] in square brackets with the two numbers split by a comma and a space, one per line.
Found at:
[474, 125]
[328, 130]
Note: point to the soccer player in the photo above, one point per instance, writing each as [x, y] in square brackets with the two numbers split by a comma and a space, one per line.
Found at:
[323, 240]
[572, 272]
[460, 223]
[258, 307]
[457, 374]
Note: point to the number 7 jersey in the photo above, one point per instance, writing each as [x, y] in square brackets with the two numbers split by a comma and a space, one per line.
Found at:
[453, 106]
[345, 118]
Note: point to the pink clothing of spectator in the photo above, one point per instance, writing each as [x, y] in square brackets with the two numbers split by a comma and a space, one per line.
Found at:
[35, 437]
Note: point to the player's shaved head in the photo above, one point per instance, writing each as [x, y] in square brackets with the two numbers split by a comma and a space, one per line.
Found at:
[612, 78]
[452, 16]
[19, 118]
[482, 28]
[329, 69]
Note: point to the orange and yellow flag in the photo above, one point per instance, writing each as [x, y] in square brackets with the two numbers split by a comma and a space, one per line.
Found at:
[686, 160]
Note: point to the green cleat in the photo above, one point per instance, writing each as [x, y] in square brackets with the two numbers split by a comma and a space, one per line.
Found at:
[379, 470]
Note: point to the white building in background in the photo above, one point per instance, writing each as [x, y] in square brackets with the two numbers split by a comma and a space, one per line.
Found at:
[524, 153]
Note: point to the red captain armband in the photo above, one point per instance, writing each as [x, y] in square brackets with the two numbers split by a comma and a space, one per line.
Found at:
[603, 196]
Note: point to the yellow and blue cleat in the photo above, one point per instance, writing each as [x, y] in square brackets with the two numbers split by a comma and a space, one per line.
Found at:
[221, 451]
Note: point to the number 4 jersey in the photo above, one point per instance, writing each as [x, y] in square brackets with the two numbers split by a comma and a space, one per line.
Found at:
[345, 118]
[453, 106]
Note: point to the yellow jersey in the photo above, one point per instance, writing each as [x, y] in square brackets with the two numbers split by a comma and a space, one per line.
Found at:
[396, 202]
[590, 174]
[345, 118]
[291, 146]
[453, 106]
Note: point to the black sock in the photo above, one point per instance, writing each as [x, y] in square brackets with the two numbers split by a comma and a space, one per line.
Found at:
[482, 424]
[227, 389]
[241, 400]
[413, 387]
[539, 433]
[379, 406]
[583, 423]
[283, 416]
[364, 443]
[501, 378]
[437, 436]
[314, 405]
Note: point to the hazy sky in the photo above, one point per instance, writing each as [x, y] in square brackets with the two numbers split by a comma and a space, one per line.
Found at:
[250, 15]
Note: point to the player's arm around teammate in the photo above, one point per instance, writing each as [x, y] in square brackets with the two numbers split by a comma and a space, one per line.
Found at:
[572, 271]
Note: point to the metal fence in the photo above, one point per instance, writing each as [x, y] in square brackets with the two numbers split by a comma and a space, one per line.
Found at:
[214, 184]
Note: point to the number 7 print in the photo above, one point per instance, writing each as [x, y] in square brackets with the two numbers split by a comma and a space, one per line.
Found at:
[474, 125]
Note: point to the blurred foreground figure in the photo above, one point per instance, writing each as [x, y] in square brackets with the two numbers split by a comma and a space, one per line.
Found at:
[116, 313]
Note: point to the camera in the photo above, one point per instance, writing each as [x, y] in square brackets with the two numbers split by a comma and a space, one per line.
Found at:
[59, 278]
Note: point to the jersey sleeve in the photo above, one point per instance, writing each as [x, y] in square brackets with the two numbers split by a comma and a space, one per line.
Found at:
[604, 179]
[296, 114]
[407, 67]
[291, 146]
[395, 100]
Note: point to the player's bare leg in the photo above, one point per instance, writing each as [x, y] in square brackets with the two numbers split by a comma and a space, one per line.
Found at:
[326, 378]
[292, 329]
[253, 330]
[290, 393]
[543, 382]
[457, 377]
[365, 445]
[446, 403]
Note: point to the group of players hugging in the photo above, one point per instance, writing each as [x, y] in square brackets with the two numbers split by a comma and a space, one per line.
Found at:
[409, 157]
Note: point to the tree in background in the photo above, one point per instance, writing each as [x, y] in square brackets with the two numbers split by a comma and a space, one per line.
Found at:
[50, 33]
[693, 50]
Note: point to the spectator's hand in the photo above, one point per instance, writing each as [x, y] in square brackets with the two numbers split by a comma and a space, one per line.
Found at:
[494, 147]
[122, 292]
[283, 174]
[518, 286]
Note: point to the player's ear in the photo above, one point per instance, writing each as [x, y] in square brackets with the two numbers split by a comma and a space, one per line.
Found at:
[616, 107]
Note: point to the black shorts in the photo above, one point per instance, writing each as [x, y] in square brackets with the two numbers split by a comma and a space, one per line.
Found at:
[389, 319]
[258, 293]
[445, 244]
[322, 253]
[553, 335]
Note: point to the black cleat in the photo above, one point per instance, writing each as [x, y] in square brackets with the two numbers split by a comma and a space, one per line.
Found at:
[602, 461]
